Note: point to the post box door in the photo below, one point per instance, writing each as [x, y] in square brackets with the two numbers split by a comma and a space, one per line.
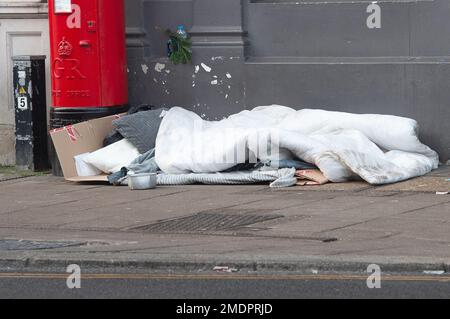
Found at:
[75, 54]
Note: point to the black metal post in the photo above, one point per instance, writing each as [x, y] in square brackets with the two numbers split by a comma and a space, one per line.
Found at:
[31, 112]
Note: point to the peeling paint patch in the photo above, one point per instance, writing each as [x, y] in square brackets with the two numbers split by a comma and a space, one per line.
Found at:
[197, 68]
[159, 67]
[144, 68]
[168, 71]
[229, 75]
[214, 58]
[206, 68]
[214, 82]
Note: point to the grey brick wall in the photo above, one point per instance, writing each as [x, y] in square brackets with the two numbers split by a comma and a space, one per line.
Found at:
[304, 53]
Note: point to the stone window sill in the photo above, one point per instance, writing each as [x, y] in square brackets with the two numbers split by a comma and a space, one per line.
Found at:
[20, 8]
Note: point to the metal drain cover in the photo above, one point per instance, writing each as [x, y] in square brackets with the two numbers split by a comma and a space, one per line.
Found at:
[10, 244]
[206, 222]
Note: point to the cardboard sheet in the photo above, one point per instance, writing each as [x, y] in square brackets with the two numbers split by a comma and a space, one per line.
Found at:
[77, 139]
[310, 177]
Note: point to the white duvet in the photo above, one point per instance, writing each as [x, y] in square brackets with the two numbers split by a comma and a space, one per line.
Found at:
[380, 149]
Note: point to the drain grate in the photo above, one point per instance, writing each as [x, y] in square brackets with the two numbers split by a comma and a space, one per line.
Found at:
[206, 222]
[9, 244]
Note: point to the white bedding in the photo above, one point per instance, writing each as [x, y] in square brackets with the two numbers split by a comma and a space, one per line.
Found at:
[380, 149]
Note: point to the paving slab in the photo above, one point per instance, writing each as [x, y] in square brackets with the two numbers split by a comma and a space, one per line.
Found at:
[329, 226]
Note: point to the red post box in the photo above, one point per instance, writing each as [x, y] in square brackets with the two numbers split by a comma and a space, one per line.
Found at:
[88, 59]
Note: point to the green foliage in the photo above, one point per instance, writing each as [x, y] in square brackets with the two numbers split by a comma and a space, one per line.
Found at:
[12, 171]
[180, 49]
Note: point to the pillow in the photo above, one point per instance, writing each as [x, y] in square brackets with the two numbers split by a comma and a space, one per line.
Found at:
[112, 158]
[84, 169]
[140, 128]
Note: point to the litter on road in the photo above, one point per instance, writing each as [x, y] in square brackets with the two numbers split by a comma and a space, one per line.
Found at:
[225, 269]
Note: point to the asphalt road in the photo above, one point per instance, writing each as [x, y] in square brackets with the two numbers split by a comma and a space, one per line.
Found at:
[223, 287]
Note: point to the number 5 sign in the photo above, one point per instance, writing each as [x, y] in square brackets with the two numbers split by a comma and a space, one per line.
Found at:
[22, 103]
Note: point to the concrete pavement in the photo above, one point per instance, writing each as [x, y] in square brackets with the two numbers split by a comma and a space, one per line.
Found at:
[335, 227]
